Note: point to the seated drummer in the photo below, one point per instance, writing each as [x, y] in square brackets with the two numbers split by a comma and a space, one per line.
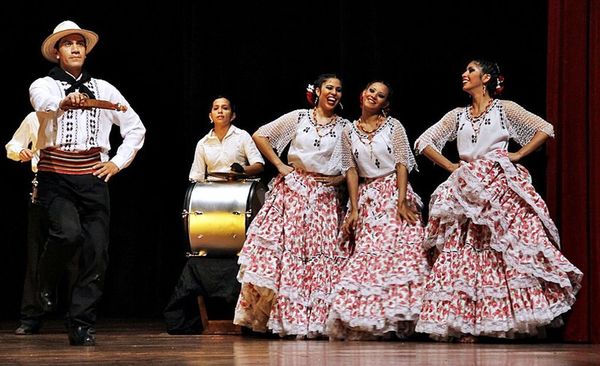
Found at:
[226, 148]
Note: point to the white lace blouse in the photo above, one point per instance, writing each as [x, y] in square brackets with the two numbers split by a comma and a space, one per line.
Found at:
[475, 137]
[376, 156]
[313, 148]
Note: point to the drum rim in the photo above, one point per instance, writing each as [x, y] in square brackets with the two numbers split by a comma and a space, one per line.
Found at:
[186, 208]
[251, 193]
[229, 176]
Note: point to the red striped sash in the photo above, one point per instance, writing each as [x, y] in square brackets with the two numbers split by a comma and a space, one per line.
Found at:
[68, 162]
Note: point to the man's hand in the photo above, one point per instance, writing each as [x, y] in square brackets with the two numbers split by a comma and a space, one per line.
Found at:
[73, 100]
[105, 170]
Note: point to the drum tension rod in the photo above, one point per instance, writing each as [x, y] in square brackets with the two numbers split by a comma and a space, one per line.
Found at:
[186, 213]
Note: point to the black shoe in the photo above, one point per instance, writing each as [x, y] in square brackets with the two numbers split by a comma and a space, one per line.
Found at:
[82, 335]
[47, 301]
[26, 329]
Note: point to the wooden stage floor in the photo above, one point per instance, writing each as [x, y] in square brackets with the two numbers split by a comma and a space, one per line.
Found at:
[126, 342]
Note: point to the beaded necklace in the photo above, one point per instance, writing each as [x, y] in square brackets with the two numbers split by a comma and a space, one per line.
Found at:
[361, 124]
[477, 120]
[324, 129]
[368, 141]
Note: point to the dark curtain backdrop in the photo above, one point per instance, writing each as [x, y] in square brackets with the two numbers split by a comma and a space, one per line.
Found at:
[169, 58]
[573, 103]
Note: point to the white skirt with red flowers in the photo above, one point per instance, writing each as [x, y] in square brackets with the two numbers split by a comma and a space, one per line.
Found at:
[290, 258]
[499, 272]
[381, 286]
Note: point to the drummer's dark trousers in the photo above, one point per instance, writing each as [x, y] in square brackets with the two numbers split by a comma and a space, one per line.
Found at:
[78, 214]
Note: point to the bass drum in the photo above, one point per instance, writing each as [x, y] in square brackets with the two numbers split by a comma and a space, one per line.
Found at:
[217, 214]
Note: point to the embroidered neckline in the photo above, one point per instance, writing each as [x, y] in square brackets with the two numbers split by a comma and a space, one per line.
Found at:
[366, 138]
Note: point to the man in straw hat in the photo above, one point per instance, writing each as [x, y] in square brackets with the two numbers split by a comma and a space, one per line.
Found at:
[74, 169]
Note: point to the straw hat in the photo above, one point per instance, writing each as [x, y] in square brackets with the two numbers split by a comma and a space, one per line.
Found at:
[62, 30]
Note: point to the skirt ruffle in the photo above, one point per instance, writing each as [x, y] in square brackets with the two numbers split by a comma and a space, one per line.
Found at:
[499, 271]
[381, 286]
[290, 258]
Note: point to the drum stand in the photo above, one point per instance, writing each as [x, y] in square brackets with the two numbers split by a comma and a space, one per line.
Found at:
[218, 327]
[213, 327]
[204, 299]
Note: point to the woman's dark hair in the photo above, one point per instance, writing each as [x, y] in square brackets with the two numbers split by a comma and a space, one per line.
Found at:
[495, 86]
[219, 96]
[324, 77]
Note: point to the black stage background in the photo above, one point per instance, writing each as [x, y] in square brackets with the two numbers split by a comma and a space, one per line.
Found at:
[169, 57]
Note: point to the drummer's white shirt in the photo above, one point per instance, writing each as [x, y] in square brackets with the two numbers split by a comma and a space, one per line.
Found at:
[213, 155]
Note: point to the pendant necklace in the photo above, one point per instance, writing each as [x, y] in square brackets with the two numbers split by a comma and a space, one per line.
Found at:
[368, 140]
[477, 120]
[327, 127]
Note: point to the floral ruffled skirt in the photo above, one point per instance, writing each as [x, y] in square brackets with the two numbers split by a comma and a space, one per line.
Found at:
[291, 258]
[381, 286]
[499, 271]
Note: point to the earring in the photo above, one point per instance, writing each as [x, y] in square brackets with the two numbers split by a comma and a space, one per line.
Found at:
[484, 90]
[211, 121]
[341, 106]
[384, 112]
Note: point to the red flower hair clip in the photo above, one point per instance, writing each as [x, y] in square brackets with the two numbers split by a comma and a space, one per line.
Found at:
[310, 94]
